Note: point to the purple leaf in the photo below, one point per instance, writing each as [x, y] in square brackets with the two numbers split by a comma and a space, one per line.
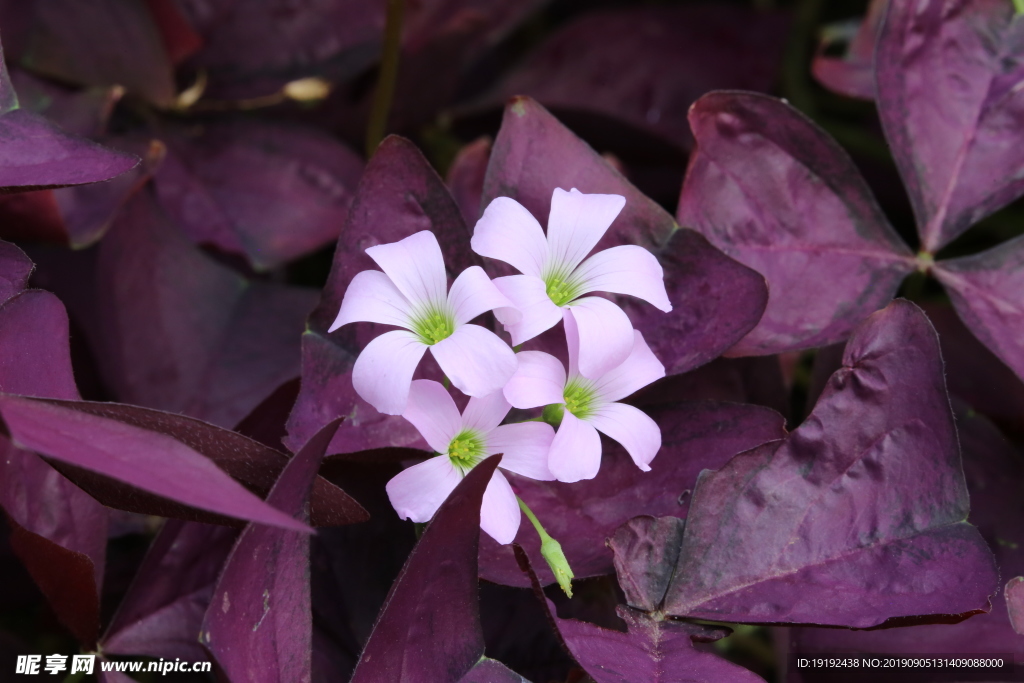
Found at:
[695, 436]
[775, 192]
[268, 191]
[162, 613]
[646, 551]
[252, 464]
[434, 635]
[179, 332]
[15, 268]
[266, 423]
[466, 175]
[399, 194]
[104, 42]
[150, 461]
[984, 289]
[852, 74]
[79, 112]
[871, 487]
[35, 358]
[259, 625]
[1014, 593]
[947, 76]
[491, 671]
[113, 677]
[647, 65]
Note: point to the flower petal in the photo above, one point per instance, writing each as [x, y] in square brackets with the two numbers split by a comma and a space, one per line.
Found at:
[373, 298]
[484, 413]
[383, 371]
[604, 335]
[474, 293]
[525, 446]
[538, 381]
[433, 412]
[537, 312]
[416, 266]
[575, 451]
[475, 359]
[510, 233]
[499, 512]
[631, 427]
[576, 224]
[638, 370]
[628, 269]
[417, 492]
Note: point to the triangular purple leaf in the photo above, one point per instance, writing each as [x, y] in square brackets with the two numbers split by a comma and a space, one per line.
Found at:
[491, 671]
[871, 488]
[259, 625]
[434, 636]
[948, 96]
[775, 192]
[466, 175]
[15, 268]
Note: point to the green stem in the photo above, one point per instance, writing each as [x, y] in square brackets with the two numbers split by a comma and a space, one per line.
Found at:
[385, 93]
[551, 550]
[1019, 6]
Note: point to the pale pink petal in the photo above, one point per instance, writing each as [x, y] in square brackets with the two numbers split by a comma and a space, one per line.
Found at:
[629, 270]
[577, 222]
[632, 428]
[383, 371]
[638, 370]
[433, 412]
[373, 298]
[537, 311]
[484, 413]
[605, 335]
[575, 451]
[416, 266]
[475, 359]
[538, 381]
[473, 293]
[510, 233]
[417, 492]
[525, 446]
[499, 512]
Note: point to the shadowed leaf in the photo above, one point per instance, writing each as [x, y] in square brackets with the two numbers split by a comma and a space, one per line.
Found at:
[853, 73]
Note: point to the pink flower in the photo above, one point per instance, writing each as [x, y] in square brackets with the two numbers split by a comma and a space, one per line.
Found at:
[412, 293]
[589, 406]
[555, 274]
[462, 442]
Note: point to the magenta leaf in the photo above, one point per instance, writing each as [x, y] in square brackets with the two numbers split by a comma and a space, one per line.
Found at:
[947, 77]
[399, 194]
[695, 436]
[268, 191]
[259, 625]
[466, 176]
[434, 635]
[147, 460]
[180, 332]
[162, 613]
[852, 74]
[871, 487]
[15, 268]
[491, 671]
[775, 192]
[985, 290]
[34, 355]
[646, 65]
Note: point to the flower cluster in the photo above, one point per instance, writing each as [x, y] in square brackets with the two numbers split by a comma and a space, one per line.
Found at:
[608, 359]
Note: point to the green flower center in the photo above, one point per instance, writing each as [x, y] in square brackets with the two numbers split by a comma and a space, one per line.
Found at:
[466, 450]
[580, 398]
[561, 287]
[434, 324]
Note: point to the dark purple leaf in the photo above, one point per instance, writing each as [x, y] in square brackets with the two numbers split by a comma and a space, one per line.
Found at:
[434, 635]
[252, 464]
[399, 194]
[580, 516]
[150, 461]
[858, 516]
[466, 178]
[180, 332]
[646, 551]
[491, 671]
[852, 74]
[102, 42]
[985, 290]
[35, 359]
[268, 191]
[947, 76]
[113, 677]
[162, 612]
[179, 37]
[647, 65]
[266, 423]
[1014, 593]
[775, 192]
[259, 625]
[15, 268]
[79, 112]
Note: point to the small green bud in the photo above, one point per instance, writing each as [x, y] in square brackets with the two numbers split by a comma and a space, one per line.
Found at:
[552, 552]
[553, 414]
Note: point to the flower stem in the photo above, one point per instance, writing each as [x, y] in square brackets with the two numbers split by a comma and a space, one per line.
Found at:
[385, 92]
[551, 550]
